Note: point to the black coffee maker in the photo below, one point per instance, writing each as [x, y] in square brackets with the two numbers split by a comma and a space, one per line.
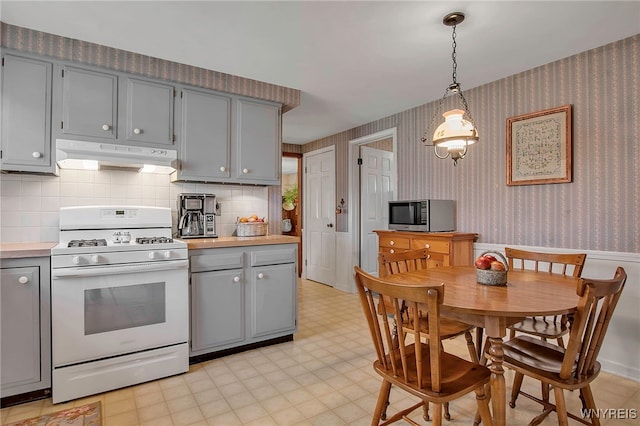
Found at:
[197, 216]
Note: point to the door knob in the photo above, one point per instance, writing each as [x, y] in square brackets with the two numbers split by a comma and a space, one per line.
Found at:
[329, 225]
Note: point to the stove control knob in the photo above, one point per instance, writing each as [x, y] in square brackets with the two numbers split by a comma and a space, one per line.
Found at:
[167, 254]
[95, 258]
[152, 255]
[75, 260]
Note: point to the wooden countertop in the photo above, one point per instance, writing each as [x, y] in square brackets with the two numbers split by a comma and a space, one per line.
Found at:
[443, 235]
[20, 250]
[220, 242]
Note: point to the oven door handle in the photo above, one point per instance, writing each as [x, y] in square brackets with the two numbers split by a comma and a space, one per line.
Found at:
[89, 271]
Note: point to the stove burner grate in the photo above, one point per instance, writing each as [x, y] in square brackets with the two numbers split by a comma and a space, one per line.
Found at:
[154, 240]
[87, 243]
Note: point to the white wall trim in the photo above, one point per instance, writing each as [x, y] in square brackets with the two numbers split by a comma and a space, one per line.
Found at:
[344, 267]
[353, 208]
[619, 353]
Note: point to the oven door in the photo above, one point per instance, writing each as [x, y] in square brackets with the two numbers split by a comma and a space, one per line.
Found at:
[99, 312]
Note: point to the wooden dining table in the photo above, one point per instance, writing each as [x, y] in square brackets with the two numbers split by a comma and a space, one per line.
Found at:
[527, 293]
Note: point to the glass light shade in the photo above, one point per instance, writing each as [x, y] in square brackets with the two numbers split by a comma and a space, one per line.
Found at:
[455, 133]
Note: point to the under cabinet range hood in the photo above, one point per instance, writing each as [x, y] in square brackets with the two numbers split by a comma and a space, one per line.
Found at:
[71, 154]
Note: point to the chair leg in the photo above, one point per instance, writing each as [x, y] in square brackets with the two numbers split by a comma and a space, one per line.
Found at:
[447, 415]
[546, 390]
[590, 403]
[383, 415]
[437, 415]
[381, 405]
[560, 342]
[483, 407]
[471, 348]
[515, 389]
[561, 406]
[479, 347]
[425, 412]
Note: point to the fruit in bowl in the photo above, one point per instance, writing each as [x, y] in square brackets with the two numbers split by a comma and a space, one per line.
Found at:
[487, 261]
[251, 219]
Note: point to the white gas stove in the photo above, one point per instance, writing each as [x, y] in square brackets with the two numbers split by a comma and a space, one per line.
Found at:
[120, 310]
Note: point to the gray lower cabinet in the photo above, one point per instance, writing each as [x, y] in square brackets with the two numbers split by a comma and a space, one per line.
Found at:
[25, 358]
[242, 295]
[26, 115]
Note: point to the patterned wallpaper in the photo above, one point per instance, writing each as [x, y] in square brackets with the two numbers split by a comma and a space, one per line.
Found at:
[37, 42]
[599, 210]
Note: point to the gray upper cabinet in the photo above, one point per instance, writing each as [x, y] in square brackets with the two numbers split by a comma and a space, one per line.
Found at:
[89, 104]
[258, 150]
[26, 115]
[204, 136]
[227, 139]
[149, 112]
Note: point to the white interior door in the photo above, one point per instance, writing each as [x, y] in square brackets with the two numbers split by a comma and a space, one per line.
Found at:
[376, 187]
[319, 224]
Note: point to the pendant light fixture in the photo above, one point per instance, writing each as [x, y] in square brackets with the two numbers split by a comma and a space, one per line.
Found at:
[453, 137]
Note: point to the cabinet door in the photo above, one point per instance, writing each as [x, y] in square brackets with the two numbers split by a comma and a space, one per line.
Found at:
[204, 136]
[149, 112]
[257, 151]
[89, 104]
[20, 349]
[26, 114]
[217, 309]
[273, 299]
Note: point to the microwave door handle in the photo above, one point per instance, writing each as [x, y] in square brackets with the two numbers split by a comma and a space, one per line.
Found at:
[88, 271]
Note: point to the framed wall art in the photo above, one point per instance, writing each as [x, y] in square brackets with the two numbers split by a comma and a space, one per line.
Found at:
[539, 147]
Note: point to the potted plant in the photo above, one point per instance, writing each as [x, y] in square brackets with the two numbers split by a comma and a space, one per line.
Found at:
[289, 198]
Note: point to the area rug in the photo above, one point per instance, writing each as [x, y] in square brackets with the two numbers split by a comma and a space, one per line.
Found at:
[85, 415]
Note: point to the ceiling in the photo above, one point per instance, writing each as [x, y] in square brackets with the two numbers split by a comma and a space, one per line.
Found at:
[353, 61]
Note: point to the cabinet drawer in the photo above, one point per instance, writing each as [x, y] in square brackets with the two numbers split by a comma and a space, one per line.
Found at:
[433, 246]
[216, 261]
[273, 257]
[395, 242]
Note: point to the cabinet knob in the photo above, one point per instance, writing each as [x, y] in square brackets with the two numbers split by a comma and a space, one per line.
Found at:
[392, 251]
[106, 127]
[329, 225]
[36, 154]
[427, 245]
[245, 171]
[260, 275]
[391, 243]
[236, 279]
[137, 131]
[23, 279]
[223, 169]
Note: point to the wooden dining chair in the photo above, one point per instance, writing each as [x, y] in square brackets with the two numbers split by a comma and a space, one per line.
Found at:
[575, 367]
[415, 260]
[415, 363]
[563, 263]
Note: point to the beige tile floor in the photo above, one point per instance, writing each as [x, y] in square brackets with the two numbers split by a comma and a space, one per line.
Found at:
[323, 377]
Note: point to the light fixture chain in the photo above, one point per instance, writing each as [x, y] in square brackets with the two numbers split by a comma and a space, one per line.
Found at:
[453, 56]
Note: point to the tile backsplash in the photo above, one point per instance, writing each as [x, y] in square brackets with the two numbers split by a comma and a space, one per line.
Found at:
[30, 204]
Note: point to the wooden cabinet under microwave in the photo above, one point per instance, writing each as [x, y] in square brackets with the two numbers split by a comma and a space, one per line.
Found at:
[445, 248]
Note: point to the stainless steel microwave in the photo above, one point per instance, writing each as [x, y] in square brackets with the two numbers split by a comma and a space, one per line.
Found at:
[422, 215]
